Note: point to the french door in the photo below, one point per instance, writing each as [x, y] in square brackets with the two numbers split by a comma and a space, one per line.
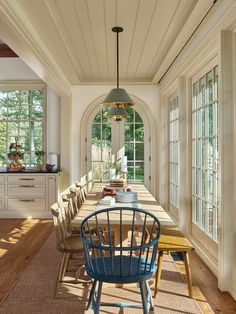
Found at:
[205, 158]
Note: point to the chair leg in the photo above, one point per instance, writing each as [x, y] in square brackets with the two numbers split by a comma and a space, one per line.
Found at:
[59, 273]
[188, 274]
[91, 295]
[66, 263]
[149, 296]
[98, 298]
[158, 273]
[144, 297]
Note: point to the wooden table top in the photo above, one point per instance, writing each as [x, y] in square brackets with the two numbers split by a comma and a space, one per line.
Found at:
[171, 238]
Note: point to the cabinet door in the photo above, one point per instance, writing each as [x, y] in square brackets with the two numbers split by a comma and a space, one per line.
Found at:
[52, 190]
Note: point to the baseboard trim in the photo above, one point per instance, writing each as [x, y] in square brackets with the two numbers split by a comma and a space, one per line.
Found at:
[207, 258]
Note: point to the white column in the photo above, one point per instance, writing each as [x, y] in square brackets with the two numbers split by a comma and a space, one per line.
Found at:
[65, 175]
[227, 243]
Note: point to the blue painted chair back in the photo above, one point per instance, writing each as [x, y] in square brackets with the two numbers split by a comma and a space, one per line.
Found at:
[108, 257]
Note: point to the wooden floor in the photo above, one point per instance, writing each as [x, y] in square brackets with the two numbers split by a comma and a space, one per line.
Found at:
[21, 239]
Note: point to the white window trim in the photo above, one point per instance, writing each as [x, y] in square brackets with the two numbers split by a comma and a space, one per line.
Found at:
[205, 241]
[31, 85]
[149, 138]
[172, 207]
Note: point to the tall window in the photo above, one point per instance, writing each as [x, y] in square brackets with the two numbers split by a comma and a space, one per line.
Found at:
[205, 153]
[22, 115]
[134, 146]
[174, 152]
[101, 145]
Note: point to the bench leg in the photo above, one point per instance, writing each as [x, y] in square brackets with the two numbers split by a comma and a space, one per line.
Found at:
[158, 273]
[188, 274]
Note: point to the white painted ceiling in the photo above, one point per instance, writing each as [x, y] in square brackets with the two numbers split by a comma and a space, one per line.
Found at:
[76, 38]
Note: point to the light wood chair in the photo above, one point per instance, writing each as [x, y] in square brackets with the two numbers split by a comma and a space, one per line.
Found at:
[83, 190]
[172, 240]
[66, 243]
[78, 196]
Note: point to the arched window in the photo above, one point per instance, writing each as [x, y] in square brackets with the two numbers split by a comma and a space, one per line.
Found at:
[111, 140]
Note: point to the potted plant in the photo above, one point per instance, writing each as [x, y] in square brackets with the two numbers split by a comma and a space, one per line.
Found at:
[39, 156]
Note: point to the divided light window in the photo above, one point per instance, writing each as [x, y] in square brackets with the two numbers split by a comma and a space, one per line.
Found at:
[174, 152]
[22, 115]
[134, 146]
[101, 145]
[205, 153]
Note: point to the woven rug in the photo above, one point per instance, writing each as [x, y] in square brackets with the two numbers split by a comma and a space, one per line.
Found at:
[33, 293]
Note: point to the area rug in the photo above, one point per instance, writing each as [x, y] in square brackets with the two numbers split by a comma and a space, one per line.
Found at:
[33, 293]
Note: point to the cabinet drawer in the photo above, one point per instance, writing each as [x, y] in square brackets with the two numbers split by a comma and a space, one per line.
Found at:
[26, 179]
[2, 179]
[2, 204]
[26, 204]
[28, 190]
[2, 191]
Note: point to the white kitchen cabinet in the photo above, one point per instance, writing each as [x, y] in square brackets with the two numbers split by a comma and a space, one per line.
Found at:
[24, 195]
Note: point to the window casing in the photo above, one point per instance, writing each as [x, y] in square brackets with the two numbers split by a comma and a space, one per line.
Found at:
[205, 153]
[134, 146]
[174, 152]
[22, 115]
[101, 145]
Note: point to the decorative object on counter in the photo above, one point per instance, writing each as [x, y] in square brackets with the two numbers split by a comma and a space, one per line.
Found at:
[54, 159]
[15, 155]
[39, 156]
[49, 167]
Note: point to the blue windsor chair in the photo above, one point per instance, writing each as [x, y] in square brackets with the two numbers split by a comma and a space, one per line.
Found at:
[120, 263]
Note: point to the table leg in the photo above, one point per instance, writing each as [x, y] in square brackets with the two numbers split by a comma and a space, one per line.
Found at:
[188, 274]
[158, 273]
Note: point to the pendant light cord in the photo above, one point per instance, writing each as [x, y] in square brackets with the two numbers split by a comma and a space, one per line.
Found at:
[117, 57]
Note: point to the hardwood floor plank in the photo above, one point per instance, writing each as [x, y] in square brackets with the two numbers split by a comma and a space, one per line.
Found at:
[205, 291]
[20, 240]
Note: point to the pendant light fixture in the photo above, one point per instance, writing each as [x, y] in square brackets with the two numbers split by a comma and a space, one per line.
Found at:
[118, 98]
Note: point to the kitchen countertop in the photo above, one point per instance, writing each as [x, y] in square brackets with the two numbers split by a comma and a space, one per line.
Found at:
[5, 171]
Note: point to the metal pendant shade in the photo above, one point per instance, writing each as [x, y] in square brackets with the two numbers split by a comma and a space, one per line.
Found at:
[118, 113]
[118, 97]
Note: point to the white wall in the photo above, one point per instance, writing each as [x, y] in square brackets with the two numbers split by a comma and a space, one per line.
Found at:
[83, 96]
[14, 69]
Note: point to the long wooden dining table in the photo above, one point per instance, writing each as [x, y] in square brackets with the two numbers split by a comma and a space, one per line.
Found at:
[171, 239]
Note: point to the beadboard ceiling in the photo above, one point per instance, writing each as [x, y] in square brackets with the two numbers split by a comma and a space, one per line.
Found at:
[76, 38]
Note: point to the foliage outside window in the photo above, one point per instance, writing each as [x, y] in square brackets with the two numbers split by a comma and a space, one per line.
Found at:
[174, 152]
[22, 115]
[101, 145]
[134, 146]
[205, 152]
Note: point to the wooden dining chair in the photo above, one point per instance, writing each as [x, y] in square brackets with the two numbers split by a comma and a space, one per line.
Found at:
[78, 196]
[133, 262]
[83, 190]
[66, 243]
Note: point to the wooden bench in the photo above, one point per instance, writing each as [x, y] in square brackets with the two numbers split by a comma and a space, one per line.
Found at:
[172, 240]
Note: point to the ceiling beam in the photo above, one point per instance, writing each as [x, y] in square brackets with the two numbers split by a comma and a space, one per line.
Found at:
[6, 52]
